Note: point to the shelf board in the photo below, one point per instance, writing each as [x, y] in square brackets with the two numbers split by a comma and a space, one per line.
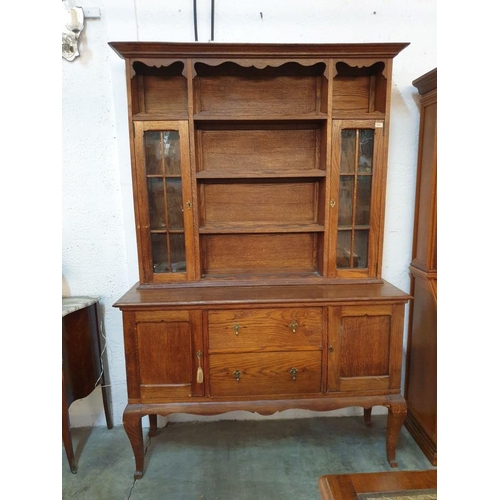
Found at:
[357, 115]
[206, 116]
[167, 116]
[281, 174]
[256, 228]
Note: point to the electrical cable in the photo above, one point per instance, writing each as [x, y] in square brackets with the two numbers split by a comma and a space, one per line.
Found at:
[195, 21]
[212, 20]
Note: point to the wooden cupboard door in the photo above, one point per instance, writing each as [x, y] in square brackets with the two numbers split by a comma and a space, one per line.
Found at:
[167, 345]
[164, 201]
[356, 201]
[365, 347]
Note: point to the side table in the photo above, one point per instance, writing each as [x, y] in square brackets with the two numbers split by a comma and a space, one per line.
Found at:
[82, 365]
[394, 485]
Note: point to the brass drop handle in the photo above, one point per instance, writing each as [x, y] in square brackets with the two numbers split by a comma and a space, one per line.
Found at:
[199, 373]
[294, 372]
[330, 349]
[236, 329]
[293, 326]
[237, 375]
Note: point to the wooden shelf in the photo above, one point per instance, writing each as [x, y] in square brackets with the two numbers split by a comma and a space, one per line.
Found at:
[207, 175]
[255, 228]
[158, 117]
[263, 117]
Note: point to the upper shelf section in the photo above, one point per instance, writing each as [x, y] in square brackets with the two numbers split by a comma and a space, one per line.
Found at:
[232, 90]
[257, 82]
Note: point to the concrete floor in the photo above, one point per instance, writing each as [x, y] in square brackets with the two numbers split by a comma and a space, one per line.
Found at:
[232, 460]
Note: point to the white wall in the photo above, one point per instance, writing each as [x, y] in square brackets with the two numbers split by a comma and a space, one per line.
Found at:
[99, 254]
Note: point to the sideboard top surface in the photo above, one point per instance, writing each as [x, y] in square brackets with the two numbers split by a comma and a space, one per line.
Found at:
[265, 294]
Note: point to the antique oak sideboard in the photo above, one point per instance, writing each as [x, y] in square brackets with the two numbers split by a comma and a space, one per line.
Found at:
[259, 175]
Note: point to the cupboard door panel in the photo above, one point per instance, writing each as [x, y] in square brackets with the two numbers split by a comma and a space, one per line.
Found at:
[166, 354]
[365, 344]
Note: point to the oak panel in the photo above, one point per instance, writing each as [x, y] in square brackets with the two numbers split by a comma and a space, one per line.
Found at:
[364, 346]
[259, 253]
[164, 353]
[277, 202]
[271, 149]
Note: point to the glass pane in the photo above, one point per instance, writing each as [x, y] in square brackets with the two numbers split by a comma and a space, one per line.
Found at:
[346, 194]
[174, 204]
[177, 253]
[365, 157]
[343, 249]
[156, 203]
[363, 200]
[171, 151]
[347, 151]
[152, 146]
[360, 249]
[164, 184]
[160, 253]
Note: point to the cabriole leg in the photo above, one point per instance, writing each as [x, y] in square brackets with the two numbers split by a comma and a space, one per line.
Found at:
[395, 420]
[133, 427]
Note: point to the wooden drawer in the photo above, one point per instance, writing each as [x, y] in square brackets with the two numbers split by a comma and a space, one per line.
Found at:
[265, 329]
[266, 373]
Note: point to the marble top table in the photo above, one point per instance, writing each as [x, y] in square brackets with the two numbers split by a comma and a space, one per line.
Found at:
[84, 364]
[76, 302]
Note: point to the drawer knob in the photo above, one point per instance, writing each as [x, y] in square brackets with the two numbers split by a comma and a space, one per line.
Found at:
[293, 326]
[236, 329]
[237, 375]
[294, 372]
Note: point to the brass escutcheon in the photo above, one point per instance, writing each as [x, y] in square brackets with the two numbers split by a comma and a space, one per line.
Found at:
[293, 326]
[236, 329]
[294, 372]
[237, 375]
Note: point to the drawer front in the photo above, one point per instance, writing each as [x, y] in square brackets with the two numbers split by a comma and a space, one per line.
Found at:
[266, 373]
[282, 329]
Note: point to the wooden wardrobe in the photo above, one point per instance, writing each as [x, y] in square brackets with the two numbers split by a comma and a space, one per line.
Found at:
[421, 371]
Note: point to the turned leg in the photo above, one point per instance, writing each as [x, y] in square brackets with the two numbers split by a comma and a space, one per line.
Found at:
[153, 425]
[395, 420]
[368, 416]
[132, 423]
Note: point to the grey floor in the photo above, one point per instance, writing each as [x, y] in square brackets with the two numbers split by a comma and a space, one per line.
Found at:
[232, 460]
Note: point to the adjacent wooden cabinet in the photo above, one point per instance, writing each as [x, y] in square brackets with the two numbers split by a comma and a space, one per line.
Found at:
[259, 175]
[421, 372]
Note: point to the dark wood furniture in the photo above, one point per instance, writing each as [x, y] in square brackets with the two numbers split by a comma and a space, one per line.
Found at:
[395, 485]
[83, 367]
[421, 372]
[259, 177]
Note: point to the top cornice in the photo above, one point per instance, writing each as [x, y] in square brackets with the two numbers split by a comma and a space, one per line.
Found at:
[426, 82]
[137, 50]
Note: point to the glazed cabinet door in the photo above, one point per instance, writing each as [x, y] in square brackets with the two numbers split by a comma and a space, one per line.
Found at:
[164, 351]
[164, 201]
[356, 198]
[365, 347]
